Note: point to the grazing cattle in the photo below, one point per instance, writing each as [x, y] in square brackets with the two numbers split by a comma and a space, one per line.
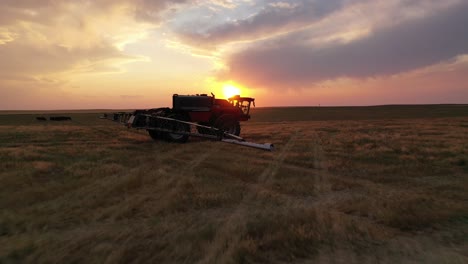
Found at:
[41, 118]
[59, 118]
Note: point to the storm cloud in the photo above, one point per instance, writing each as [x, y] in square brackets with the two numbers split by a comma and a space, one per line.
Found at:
[402, 47]
[276, 17]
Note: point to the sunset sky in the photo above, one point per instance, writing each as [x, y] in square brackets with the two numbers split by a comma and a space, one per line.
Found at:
[137, 53]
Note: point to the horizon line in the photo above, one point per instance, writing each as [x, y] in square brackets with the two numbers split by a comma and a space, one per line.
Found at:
[292, 106]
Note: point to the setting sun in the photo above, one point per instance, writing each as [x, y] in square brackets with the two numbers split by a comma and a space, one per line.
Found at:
[230, 90]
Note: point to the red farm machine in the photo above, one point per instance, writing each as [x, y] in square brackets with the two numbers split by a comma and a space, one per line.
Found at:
[198, 115]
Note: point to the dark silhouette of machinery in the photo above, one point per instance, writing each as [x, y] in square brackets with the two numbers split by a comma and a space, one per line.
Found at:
[198, 115]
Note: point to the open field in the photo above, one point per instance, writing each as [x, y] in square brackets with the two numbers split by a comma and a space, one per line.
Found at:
[345, 185]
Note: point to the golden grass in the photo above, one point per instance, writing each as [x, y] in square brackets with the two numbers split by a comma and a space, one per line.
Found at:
[375, 191]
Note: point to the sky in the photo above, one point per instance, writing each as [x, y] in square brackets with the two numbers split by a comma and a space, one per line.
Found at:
[128, 54]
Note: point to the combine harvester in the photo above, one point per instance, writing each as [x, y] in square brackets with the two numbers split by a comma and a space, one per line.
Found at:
[194, 115]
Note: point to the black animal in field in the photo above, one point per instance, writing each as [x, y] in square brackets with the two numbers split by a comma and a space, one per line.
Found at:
[41, 118]
[60, 118]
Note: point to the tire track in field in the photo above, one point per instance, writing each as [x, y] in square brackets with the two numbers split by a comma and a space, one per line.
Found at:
[104, 185]
[197, 161]
[230, 234]
[182, 176]
[322, 183]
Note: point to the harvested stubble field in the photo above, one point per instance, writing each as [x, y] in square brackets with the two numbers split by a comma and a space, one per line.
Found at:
[345, 185]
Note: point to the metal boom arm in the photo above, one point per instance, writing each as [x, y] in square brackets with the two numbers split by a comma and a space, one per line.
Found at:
[169, 125]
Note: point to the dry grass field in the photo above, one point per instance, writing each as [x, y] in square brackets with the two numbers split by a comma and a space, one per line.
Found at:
[345, 185]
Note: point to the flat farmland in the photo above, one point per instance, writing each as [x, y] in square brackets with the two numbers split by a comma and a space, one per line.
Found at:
[345, 185]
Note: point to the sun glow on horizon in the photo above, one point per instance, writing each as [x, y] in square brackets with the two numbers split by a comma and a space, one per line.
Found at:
[229, 90]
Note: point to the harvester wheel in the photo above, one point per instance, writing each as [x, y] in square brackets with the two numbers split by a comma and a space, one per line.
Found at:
[157, 135]
[229, 124]
[178, 138]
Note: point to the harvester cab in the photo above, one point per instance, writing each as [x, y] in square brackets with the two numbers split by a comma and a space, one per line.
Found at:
[244, 104]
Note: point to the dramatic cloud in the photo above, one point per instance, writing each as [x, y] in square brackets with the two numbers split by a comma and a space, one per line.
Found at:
[413, 44]
[45, 44]
[276, 17]
[45, 39]
[150, 10]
